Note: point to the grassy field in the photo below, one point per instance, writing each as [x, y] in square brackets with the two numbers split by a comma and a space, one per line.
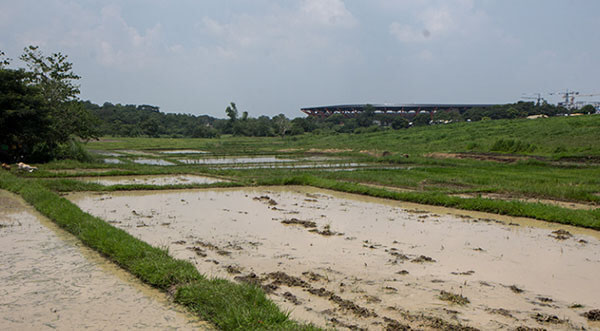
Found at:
[557, 137]
[457, 165]
[554, 158]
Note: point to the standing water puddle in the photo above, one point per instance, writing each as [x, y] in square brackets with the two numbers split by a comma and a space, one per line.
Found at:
[48, 280]
[153, 162]
[230, 160]
[343, 260]
[184, 151]
[151, 180]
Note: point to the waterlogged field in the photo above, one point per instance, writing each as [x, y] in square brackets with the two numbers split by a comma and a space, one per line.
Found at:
[343, 260]
[49, 281]
[233, 208]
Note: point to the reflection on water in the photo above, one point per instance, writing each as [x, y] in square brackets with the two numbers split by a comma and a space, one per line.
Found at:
[230, 160]
[112, 161]
[153, 162]
[184, 151]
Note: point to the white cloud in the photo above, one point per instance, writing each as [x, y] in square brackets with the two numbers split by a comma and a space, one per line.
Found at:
[436, 20]
[286, 32]
[327, 12]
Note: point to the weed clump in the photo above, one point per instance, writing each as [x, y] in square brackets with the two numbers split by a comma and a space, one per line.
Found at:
[592, 315]
[515, 289]
[454, 298]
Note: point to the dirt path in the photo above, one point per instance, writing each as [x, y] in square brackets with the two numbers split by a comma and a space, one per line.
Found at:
[48, 280]
[350, 261]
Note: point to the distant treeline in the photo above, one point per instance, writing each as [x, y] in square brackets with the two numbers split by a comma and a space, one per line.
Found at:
[146, 120]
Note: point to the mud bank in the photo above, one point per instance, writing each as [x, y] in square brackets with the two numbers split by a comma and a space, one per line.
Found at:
[48, 280]
[350, 261]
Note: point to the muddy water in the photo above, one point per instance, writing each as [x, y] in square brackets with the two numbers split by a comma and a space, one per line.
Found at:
[49, 281]
[380, 262]
[151, 180]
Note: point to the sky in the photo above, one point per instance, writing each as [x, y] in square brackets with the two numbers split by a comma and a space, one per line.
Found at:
[277, 56]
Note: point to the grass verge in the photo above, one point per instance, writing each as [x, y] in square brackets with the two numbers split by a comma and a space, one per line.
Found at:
[229, 306]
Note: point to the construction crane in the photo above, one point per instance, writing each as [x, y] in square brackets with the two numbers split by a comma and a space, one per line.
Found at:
[534, 96]
[569, 96]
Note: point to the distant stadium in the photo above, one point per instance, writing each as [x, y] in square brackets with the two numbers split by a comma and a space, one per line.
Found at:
[405, 110]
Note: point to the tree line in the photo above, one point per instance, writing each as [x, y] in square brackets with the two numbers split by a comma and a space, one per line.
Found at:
[42, 117]
[146, 120]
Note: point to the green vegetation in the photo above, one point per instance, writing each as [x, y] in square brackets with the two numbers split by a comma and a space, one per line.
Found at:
[555, 137]
[228, 305]
[40, 114]
[145, 120]
[453, 298]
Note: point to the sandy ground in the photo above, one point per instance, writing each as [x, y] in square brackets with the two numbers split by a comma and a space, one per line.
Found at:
[48, 280]
[349, 261]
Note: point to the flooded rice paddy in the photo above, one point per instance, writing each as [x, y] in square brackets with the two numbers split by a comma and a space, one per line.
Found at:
[151, 180]
[349, 261]
[184, 151]
[153, 162]
[230, 160]
[48, 280]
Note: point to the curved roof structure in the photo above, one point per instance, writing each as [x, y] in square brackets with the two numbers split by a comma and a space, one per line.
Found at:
[400, 109]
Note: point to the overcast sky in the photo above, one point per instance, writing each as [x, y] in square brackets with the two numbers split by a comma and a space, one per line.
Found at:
[276, 56]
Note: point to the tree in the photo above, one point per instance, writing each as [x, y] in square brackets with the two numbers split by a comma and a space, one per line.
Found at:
[43, 99]
[232, 112]
[151, 127]
[399, 122]
[23, 116]
[366, 117]
[281, 124]
[588, 109]
[422, 119]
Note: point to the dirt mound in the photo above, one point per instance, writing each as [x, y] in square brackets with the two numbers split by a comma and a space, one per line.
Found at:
[548, 319]
[281, 278]
[295, 221]
[561, 234]
[592, 315]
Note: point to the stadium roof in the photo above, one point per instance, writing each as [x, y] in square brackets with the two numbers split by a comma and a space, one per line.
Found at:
[406, 108]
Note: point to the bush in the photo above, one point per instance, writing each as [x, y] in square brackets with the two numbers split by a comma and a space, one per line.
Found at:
[73, 150]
